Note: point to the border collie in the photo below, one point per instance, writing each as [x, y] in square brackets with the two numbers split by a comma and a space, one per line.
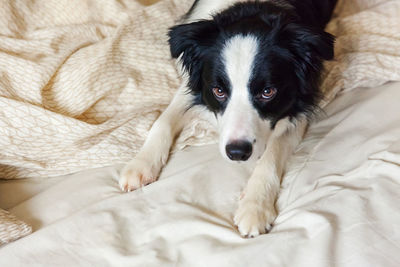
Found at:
[255, 66]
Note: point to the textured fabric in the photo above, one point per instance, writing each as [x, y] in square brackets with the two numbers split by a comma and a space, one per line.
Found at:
[339, 204]
[367, 50]
[81, 82]
[11, 228]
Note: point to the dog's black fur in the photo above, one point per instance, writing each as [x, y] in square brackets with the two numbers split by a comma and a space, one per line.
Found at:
[293, 46]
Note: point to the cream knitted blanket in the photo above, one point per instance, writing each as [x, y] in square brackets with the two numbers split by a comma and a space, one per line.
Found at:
[82, 81]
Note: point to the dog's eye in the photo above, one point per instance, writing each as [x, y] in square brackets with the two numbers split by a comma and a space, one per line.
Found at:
[268, 93]
[219, 93]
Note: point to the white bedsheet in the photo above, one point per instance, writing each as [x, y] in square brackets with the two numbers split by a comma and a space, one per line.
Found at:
[339, 204]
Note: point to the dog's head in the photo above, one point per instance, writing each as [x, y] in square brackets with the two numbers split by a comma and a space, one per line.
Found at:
[251, 65]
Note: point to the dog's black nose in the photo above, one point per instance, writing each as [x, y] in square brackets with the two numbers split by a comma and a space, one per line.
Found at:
[239, 150]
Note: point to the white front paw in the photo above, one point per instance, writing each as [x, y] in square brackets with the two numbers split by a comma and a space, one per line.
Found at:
[254, 216]
[137, 173]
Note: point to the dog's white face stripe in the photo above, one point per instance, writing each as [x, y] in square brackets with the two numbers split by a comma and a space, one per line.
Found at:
[240, 120]
[239, 54]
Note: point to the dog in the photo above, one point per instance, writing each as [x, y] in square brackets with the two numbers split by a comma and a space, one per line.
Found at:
[256, 67]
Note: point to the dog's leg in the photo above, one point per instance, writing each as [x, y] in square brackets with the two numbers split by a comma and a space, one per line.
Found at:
[256, 211]
[146, 166]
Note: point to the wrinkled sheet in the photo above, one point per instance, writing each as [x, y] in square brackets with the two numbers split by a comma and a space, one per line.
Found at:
[81, 82]
[339, 204]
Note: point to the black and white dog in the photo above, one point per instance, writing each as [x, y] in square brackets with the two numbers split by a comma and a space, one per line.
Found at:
[256, 66]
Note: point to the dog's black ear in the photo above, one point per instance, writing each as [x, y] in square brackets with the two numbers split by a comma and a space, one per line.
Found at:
[321, 43]
[191, 40]
[315, 43]
[191, 43]
[309, 47]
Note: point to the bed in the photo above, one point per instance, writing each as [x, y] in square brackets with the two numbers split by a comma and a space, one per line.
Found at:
[339, 200]
[338, 205]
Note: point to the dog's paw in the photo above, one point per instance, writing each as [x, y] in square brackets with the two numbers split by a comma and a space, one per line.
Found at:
[138, 173]
[254, 217]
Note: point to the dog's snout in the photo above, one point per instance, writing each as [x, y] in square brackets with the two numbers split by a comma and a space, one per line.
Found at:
[239, 150]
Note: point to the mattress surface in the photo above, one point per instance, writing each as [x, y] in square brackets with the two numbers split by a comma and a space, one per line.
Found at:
[339, 204]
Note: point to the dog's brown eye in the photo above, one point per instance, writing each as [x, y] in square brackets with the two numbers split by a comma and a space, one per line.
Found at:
[219, 93]
[268, 93]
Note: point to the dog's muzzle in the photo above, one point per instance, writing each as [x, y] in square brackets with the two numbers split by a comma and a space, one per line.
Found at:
[239, 150]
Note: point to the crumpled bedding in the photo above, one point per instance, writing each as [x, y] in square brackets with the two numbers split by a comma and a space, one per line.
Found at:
[81, 82]
[339, 204]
